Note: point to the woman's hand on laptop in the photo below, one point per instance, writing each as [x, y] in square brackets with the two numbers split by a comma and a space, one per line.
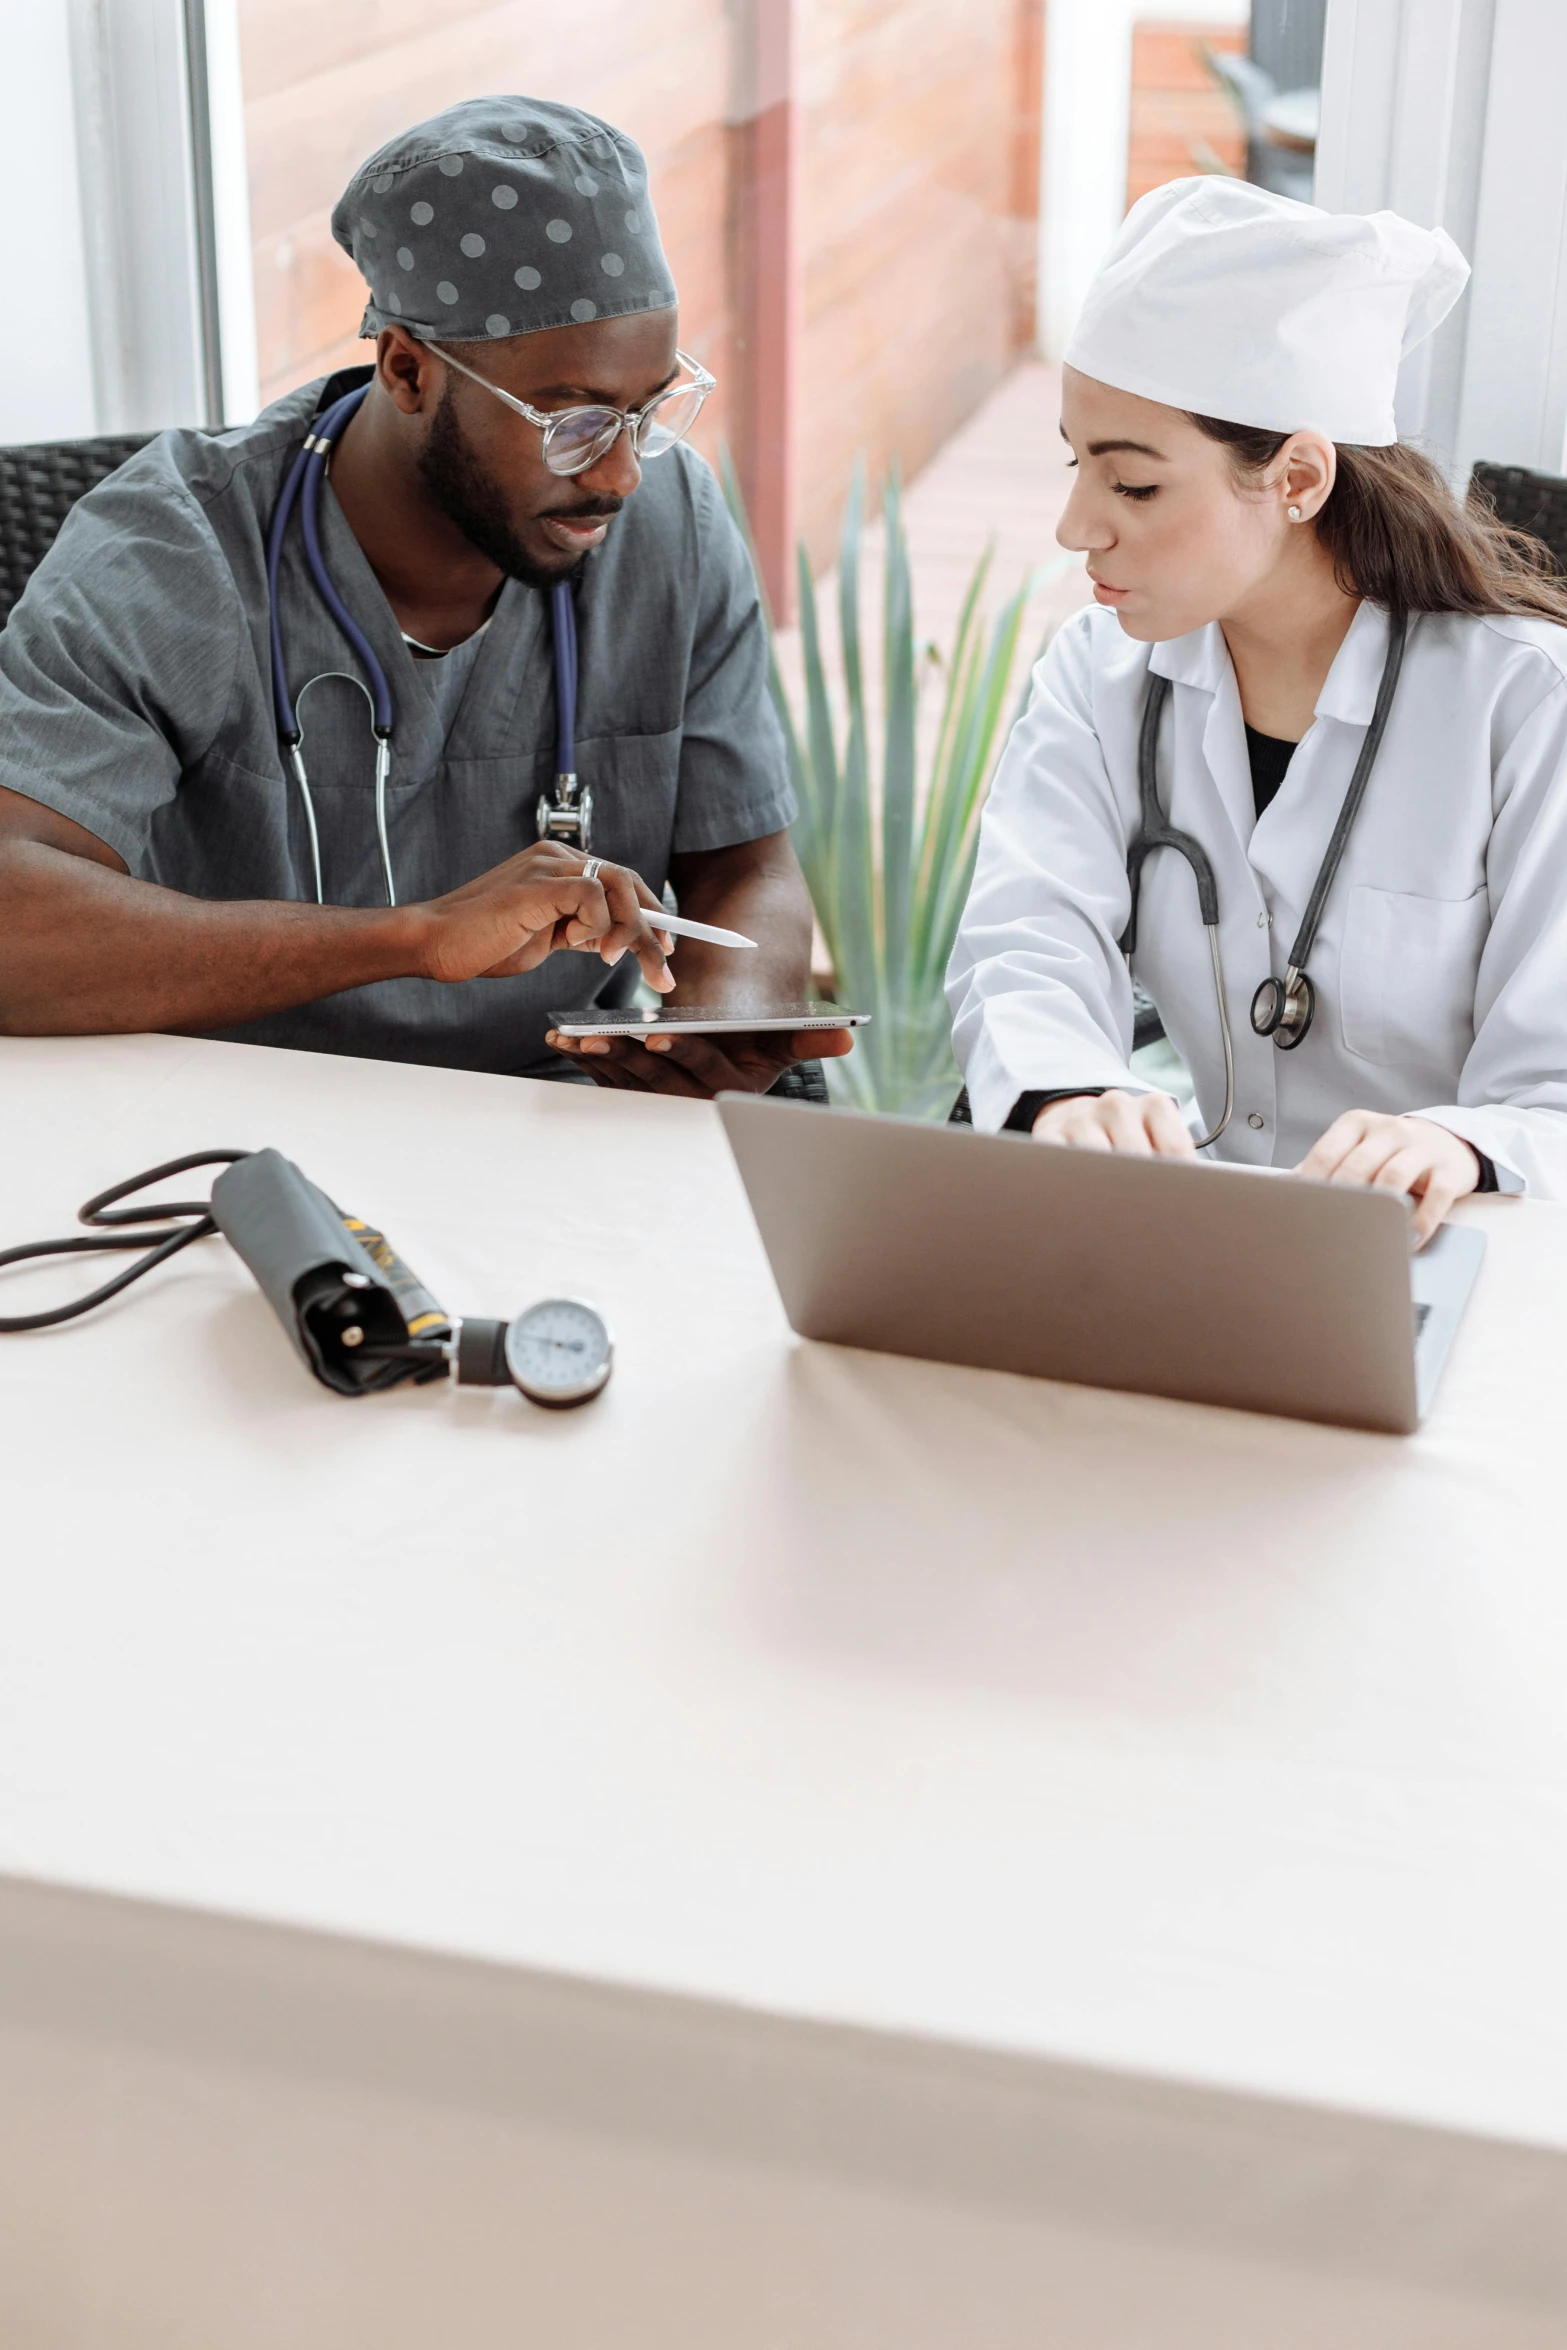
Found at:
[1146, 1124]
[1412, 1155]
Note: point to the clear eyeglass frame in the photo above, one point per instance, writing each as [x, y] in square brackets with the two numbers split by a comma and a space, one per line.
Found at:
[575, 438]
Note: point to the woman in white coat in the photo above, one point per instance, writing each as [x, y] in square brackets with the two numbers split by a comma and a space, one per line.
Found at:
[1268, 565]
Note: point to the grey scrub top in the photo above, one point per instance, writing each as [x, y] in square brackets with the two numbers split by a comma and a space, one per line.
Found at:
[135, 698]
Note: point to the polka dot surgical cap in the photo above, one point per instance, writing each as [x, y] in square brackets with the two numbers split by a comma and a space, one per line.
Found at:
[503, 216]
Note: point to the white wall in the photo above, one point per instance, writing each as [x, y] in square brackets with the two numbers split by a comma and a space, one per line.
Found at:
[46, 390]
[1449, 111]
[231, 203]
[98, 218]
[1452, 112]
[1088, 89]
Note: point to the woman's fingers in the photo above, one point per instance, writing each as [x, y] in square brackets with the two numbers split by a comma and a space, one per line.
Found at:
[1123, 1118]
[1168, 1130]
[1432, 1172]
[1364, 1162]
[1140, 1124]
[1077, 1123]
[1430, 1191]
[1432, 1197]
[1412, 1155]
[1327, 1154]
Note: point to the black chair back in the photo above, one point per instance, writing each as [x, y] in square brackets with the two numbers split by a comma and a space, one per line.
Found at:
[1535, 502]
[39, 484]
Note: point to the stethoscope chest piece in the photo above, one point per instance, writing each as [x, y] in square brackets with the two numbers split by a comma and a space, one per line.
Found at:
[1284, 1009]
[569, 815]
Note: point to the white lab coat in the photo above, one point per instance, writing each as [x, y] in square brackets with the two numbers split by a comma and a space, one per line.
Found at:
[1440, 967]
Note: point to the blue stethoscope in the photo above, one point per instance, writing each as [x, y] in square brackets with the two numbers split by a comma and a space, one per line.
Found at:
[566, 815]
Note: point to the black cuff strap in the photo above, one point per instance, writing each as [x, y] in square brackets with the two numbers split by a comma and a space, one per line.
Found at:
[1020, 1118]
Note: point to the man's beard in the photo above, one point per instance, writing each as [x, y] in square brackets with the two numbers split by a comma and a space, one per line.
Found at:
[457, 483]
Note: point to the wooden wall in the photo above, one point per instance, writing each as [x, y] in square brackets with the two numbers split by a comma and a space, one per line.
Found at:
[919, 193]
[914, 222]
[1182, 121]
[324, 86]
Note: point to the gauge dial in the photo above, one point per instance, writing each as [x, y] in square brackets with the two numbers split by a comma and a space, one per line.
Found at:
[558, 1351]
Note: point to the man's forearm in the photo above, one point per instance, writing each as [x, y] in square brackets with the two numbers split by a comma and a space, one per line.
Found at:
[85, 950]
[767, 901]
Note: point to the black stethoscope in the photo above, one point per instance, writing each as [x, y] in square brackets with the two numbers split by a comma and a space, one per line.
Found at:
[1281, 1008]
[565, 816]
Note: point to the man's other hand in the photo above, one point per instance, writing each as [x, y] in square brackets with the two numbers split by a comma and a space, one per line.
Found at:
[701, 1066]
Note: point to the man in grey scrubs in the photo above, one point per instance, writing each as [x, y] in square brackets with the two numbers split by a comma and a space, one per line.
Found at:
[156, 859]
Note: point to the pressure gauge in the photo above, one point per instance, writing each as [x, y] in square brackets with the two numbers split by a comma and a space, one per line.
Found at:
[559, 1351]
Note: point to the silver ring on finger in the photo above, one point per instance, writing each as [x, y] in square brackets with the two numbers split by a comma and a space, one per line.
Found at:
[592, 869]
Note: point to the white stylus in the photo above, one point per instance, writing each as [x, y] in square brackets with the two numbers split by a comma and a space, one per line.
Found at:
[678, 925]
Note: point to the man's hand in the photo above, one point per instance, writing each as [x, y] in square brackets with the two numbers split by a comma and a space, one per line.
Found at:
[754, 886]
[85, 949]
[1412, 1155]
[1145, 1124]
[538, 902]
[700, 1066]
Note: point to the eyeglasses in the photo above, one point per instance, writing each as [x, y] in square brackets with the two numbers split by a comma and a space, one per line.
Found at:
[575, 438]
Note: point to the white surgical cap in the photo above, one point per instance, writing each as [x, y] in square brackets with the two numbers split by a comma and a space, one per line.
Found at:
[1223, 299]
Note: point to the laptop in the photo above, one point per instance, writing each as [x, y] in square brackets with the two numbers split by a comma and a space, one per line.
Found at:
[1164, 1276]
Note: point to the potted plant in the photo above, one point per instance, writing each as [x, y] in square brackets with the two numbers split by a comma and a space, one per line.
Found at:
[888, 865]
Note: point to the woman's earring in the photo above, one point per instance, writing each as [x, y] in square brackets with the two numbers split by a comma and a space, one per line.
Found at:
[1293, 512]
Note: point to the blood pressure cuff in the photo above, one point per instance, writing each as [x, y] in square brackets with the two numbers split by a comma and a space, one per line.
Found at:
[338, 1288]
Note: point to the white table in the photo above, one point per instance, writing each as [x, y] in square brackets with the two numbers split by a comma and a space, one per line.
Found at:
[813, 1852]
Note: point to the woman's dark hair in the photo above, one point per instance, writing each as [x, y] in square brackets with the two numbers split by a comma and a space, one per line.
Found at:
[1399, 537]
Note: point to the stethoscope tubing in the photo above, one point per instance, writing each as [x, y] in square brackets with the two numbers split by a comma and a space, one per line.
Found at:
[310, 522]
[1221, 998]
[1156, 832]
[324, 432]
[1327, 871]
[563, 614]
[302, 488]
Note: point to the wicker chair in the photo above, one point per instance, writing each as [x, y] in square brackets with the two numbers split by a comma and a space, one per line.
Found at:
[39, 484]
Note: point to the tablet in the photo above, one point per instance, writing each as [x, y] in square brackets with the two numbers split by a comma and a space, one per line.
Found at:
[706, 1020]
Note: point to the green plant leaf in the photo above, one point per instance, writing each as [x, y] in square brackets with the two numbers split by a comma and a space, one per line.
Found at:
[803, 770]
[889, 896]
[856, 945]
[824, 784]
[898, 782]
